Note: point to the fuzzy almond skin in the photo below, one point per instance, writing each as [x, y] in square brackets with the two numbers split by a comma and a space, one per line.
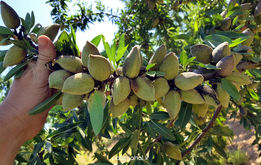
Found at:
[172, 150]
[239, 78]
[248, 41]
[99, 67]
[14, 56]
[188, 80]
[209, 95]
[161, 87]
[120, 109]
[202, 53]
[226, 65]
[200, 109]
[192, 96]
[57, 78]
[70, 102]
[222, 50]
[50, 31]
[172, 103]
[70, 63]
[145, 89]
[226, 24]
[132, 63]
[9, 16]
[170, 66]
[222, 95]
[121, 90]
[78, 84]
[89, 48]
[158, 56]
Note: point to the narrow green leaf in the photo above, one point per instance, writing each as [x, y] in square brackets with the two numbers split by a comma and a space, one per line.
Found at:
[15, 70]
[253, 94]
[230, 88]
[234, 12]
[107, 49]
[150, 130]
[232, 35]
[5, 30]
[96, 40]
[184, 115]
[207, 66]
[19, 74]
[220, 150]
[102, 159]
[119, 146]
[2, 54]
[113, 52]
[159, 116]
[217, 39]
[1, 67]
[19, 43]
[46, 104]
[27, 22]
[64, 129]
[162, 130]
[237, 42]
[96, 104]
[148, 67]
[121, 48]
[32, 19]
[183, 58]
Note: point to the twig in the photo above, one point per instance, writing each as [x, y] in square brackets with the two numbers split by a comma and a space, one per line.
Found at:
[204, 131]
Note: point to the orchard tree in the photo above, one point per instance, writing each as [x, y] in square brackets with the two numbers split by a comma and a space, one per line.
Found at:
[160, 94]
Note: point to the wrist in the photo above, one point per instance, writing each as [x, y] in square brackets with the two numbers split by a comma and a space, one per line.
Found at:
[11, 136]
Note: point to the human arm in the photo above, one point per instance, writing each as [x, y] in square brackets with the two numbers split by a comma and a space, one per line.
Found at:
[17, 126]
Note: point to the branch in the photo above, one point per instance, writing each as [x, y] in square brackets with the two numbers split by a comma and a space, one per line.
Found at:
[204, 131]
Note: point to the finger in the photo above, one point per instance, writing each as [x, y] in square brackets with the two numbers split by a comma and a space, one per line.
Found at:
[46, 50]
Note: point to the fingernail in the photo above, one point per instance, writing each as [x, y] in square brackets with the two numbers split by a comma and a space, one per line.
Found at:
[42, 42]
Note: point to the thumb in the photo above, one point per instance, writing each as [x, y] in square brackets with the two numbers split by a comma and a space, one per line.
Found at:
[46, 50]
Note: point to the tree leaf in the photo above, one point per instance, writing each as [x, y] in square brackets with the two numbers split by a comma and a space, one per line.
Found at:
[253, 94]
[15, 70]
[102, 159]
[159, 116]
[64, 129]
[121, 48]
[162, 130]
[96, 103]
[32, 19]
[184, 115]
[148, 67]
[107, 49]
[2, 54]
[119, 146]
[5, 30]
[96, 40]
[217, 39]
[46, 104]
[230, 88]
[183, 58]
[2, 68]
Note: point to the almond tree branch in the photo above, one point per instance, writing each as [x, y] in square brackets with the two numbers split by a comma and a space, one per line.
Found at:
[204, 131]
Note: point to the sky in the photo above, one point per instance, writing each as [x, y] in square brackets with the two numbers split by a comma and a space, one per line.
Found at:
[42, 15]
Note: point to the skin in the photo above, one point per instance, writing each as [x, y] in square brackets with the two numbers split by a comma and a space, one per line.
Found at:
[17, 126]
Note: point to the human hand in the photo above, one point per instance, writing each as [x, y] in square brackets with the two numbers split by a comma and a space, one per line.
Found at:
[17, 126]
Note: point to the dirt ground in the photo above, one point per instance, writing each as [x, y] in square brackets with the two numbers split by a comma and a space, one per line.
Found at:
[242, 140]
